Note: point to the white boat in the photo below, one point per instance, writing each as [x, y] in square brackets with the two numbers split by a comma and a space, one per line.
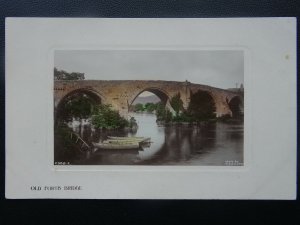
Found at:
[118, 141]
[138, 139]
[122, 142]
[116, 145]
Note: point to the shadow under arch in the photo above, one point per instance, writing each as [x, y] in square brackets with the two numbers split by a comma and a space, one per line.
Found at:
[94, 97]
[236, 106]
[202, 102]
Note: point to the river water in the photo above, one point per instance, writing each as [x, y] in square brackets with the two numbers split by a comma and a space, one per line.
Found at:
[215, 144]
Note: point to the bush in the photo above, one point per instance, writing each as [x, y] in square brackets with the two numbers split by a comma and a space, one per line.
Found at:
[202, 106]
[139, 107]
[105, 117]
[176, 103]
[183, 117]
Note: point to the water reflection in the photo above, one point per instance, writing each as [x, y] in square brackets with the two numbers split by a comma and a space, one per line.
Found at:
[210, 144]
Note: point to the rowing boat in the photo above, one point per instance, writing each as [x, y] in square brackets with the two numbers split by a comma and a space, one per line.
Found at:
[122, 142]
[117, 141]
[116, 146]
[138, 139]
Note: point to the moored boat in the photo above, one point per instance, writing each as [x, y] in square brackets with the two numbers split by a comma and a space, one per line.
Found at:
[116, 145]
[138, 139]
[122, 143]
[117, 141]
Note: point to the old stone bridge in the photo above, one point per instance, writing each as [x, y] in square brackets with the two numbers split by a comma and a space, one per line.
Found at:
[121, 93]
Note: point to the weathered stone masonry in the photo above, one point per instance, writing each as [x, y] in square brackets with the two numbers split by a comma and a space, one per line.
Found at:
[121, 93]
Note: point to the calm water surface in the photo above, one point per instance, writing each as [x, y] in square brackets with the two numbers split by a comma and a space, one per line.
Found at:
[214, 144]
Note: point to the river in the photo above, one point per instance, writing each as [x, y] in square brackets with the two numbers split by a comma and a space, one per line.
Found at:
[214, 144]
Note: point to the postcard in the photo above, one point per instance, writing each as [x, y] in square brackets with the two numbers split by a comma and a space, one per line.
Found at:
[151, 108]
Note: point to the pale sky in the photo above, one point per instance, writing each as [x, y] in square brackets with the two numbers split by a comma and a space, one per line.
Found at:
[222, 69]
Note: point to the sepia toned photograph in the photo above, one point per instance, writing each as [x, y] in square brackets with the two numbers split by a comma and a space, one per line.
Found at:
[149, 107]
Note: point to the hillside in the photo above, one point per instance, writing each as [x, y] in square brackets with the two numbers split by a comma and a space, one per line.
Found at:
[145, 99]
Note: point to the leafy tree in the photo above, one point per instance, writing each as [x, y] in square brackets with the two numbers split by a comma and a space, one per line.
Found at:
[183, 117]
[163, 114]
[150, 107]
[57, 74]
[139, 107]
[176, 103]
[202, 106]
[105, 117]
[160, 112]
[168, 116]
[78, 105]
[63, 75]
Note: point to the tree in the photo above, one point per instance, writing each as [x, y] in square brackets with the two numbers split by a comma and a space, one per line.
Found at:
[78, 105]
[163, 114]
[139, 107]
[202, 106]
[176, 103]
[168, 116]
[160, 112]
[63, 75]
[57, 74]
[150, 107]
[105, 117]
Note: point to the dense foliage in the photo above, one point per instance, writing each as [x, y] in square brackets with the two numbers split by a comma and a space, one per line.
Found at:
[65, 148]
[202, 106]
[63, 75]
[139, 107]
[148, 107]
[163, 114]
[106, 118]
[176, 103]
[79, 106]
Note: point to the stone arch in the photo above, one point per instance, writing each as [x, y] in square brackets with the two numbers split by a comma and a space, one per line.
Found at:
[94, 95]
[210, 93]
[164, 97]
[210, 97]
[161, 94]
[236, 106]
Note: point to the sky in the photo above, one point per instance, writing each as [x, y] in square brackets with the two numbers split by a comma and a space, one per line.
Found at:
[222, 69]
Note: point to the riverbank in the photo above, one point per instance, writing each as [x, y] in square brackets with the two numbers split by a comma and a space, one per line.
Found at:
[214, 143]
[198, 123]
